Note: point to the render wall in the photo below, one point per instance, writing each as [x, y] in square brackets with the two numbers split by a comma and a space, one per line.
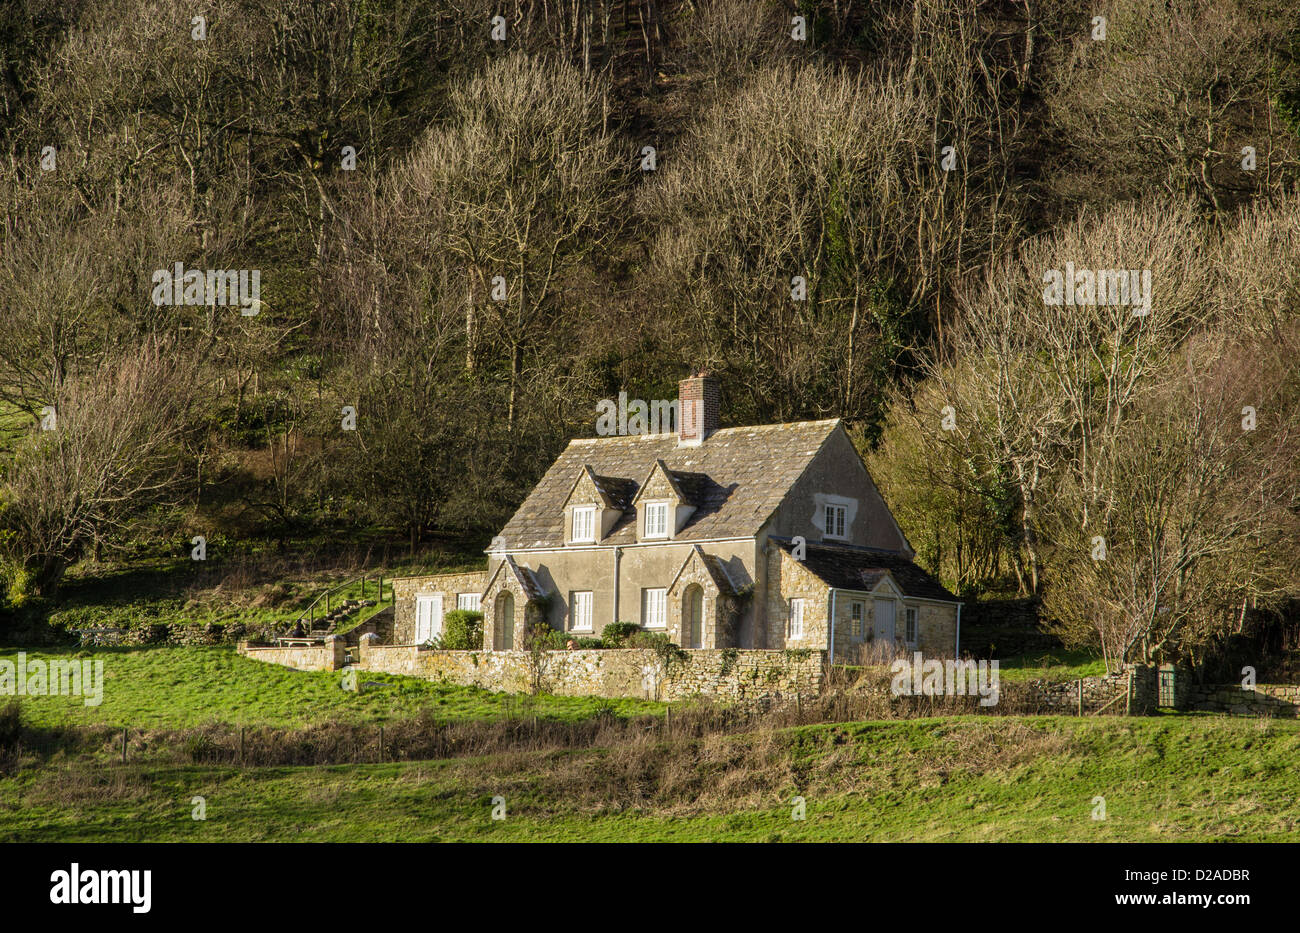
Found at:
[561, 572]
[837, 470]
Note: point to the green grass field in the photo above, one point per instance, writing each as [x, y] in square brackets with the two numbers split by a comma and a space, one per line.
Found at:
[967, 779]
[179, 687]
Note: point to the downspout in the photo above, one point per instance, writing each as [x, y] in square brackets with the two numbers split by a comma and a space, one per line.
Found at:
[618, 557]
[957, 656]
[834, 593]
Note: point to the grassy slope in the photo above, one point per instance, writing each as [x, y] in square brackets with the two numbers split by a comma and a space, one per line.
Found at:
[1061, 664]
[178, 687]
[265, 590]
[1164, 779]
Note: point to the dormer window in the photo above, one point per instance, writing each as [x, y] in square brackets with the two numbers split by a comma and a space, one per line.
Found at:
[656, 520]
[584, 524]
[835, 521]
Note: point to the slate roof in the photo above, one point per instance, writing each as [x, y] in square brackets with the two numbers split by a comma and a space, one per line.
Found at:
[716, 569]
[527, 579]
[849, 567]
[736, 479]
[619, 491]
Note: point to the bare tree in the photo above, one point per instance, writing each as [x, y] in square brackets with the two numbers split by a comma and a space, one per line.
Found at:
[1201, 489]
[114, 448]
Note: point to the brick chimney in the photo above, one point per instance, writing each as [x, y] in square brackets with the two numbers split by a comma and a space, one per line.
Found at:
[699, 404]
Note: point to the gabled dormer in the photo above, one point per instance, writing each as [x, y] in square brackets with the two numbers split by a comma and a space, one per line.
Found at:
[661, 506]
[591, 509]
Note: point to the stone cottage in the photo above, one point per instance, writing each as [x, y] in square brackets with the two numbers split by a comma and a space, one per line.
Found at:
[772, 536]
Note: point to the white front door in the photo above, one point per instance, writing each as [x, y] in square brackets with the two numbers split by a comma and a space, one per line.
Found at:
[428, 617]
[883, 624]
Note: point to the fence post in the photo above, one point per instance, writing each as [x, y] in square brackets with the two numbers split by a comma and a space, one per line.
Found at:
[241, 745]
[381, 744]
[1080, 686]
[124, 745]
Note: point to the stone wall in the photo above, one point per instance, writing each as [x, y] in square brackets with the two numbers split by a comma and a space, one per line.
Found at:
[380, 624]
[1281, 700]
[327, 657]
[1109, 693]
[727, 673]
[405, 589]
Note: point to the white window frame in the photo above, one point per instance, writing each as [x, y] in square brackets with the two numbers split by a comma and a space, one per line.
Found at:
[471, 601]
[588, 512]
[654, 607]
[911, 624]
[857, 615]
[797, 607]
[580, 614]
[660, 509]
[428, 605]
[837, 521]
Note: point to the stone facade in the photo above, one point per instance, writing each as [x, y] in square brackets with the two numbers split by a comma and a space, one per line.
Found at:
[696, 589]
[787, 579]
[508, 609]
[726, 673]
[406, 589]
[837, 474]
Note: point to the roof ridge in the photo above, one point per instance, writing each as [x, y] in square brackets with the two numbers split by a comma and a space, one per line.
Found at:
[715, 433]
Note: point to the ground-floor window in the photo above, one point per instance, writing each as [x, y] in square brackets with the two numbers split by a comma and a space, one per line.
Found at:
[468, 601]
[909, 615]
[580, 611]
[654, 608]
[856, 612]
[796, 618]
[428, 617]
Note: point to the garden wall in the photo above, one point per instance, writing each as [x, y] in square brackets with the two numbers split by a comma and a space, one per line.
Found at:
[1280, 700]
[622, 672]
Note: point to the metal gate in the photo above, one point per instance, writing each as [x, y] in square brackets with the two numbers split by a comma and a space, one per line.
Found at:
[1168, 693]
